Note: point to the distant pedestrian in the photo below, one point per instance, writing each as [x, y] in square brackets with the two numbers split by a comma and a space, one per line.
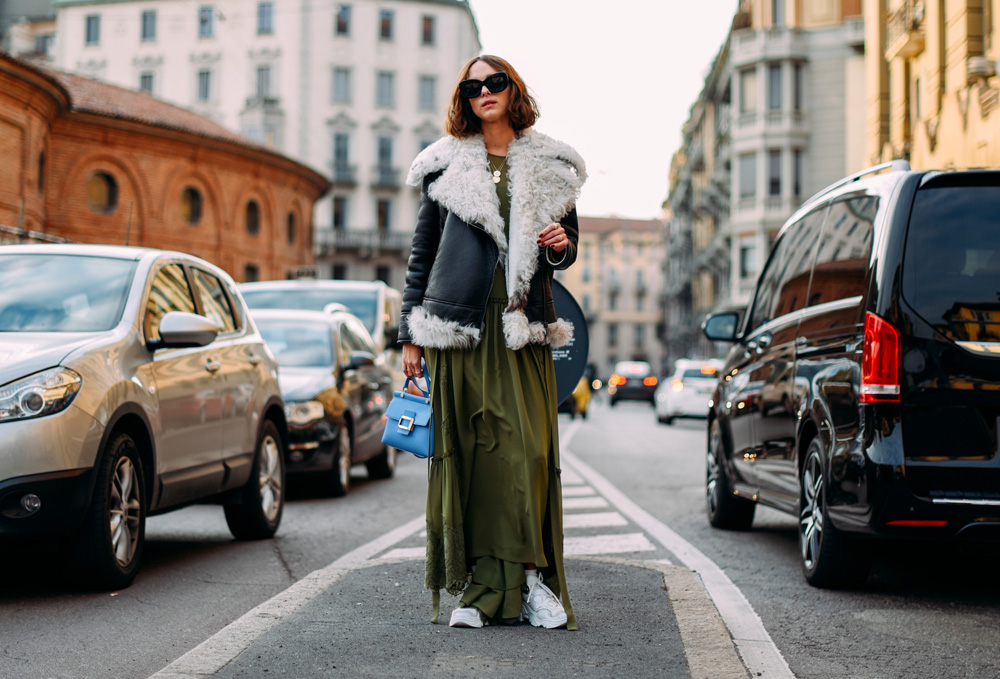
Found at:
[497, 217]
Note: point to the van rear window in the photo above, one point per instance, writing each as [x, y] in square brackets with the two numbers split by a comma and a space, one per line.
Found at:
[951, 262]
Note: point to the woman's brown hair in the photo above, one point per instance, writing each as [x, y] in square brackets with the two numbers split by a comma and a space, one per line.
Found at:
[522, 109]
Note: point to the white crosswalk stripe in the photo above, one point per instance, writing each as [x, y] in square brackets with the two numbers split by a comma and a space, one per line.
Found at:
[594, 502]
[594, 520]
[619, 543]
[578, 491]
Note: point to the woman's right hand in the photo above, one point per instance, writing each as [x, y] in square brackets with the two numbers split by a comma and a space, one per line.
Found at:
[412, 354]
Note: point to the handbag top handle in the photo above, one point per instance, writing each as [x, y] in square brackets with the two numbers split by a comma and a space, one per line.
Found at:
[427, 379]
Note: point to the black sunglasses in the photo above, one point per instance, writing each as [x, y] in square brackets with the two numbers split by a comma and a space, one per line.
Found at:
[470, 89]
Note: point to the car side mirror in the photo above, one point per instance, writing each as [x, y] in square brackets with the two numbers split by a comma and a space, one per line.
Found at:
[179, 330]
[359, 359]
[721, 327]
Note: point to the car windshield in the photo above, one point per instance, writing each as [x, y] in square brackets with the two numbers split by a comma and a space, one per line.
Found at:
[361, 303]
[951, 267]
[62, 293]
[297, 344]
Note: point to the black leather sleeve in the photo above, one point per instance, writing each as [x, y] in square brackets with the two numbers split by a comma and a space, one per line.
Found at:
[565, 259]
[423, 250]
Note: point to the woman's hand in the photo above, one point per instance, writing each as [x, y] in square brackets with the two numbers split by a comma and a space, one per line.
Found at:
[411, 360]
[553, 236]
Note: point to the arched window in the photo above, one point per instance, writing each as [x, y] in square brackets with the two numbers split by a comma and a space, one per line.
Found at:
[253, 218]
[102, 193]
[291, 228]
[191, 205]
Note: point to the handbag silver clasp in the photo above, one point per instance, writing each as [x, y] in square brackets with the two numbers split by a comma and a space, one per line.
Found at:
[406, 423]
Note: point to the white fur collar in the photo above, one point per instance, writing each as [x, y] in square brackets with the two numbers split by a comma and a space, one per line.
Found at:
[545, 177]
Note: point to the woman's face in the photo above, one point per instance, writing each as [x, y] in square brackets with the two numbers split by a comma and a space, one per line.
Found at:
[488, 107]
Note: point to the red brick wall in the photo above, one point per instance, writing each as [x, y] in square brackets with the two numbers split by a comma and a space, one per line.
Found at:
[151, 166]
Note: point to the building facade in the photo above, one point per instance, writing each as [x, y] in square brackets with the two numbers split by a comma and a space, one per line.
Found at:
[780, 117]
[352, 89]
[617, 279]
[88, 162]
[932, 83]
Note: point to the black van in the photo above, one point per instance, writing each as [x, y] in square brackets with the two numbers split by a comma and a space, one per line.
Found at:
[862, 390]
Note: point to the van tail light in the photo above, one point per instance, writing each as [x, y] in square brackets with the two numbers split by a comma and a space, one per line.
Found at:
[650, 381]
[880, 361]
[616, 380]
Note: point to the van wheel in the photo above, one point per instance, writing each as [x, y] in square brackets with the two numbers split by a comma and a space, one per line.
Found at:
[725, 510]
[257, 515]
[340, 476]
[383, 465]
[109, 546]
[830, 559]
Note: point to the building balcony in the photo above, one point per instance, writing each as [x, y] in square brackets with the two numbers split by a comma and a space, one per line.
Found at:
[777, 43]
[345, 175]
[904, 31]
[364, 243]
[385, 177]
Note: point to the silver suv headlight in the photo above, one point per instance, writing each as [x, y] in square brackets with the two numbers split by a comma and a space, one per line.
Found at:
[304, 412]
[44, 393]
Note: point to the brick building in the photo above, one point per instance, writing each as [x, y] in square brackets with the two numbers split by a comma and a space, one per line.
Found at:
[90, 162]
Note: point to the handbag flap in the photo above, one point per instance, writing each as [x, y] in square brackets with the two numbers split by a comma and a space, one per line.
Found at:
[417, 407]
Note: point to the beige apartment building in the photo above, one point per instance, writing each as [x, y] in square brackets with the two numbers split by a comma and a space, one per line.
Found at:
[932, 82]
[781, 115]
[617, 280]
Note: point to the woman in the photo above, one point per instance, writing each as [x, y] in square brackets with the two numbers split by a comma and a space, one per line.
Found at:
[497, 216]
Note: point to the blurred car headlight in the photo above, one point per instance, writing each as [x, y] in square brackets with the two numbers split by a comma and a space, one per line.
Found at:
[304, 412]
[44, 393]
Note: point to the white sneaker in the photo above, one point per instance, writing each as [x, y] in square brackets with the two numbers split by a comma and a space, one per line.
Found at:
[468, 616]
[540, 607]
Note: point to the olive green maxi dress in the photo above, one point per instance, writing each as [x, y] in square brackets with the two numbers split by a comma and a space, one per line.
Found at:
[494, 500]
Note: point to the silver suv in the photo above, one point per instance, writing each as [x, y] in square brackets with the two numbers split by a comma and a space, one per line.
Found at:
[132, 382]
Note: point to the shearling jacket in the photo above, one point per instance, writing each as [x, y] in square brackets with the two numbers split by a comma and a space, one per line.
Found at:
[459, 239]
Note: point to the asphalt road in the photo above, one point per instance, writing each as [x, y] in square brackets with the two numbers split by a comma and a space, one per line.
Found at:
[927, 611]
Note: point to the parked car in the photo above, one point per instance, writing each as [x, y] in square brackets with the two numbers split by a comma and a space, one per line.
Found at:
[860, 392]
[133, 383]
[375, 303]
[632, 380]
[687, 392]
[336, 388]
[578, 400]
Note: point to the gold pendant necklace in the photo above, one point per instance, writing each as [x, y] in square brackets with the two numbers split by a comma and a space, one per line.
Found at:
[496, 171]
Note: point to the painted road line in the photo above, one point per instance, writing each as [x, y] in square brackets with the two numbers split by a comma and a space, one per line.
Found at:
[594, 520]
[405, 553]
[218, 650]
[755, 645]
[570, 478]
[584, 503]
[578, 491]
[617, 543]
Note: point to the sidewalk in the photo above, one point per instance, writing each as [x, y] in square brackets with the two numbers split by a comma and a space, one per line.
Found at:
[637, 619]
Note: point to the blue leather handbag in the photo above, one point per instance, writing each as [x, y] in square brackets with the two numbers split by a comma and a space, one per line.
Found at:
[409, 425]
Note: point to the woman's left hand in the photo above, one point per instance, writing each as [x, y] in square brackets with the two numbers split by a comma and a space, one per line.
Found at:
[553, 236]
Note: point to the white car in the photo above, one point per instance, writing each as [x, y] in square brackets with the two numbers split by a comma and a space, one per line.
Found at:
[687, 391]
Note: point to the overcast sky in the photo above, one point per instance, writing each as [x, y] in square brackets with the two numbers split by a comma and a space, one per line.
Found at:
[615, 80]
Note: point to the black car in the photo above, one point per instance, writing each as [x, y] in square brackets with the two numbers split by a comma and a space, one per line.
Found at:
[862, 391]
[632, 381]
[336, 389]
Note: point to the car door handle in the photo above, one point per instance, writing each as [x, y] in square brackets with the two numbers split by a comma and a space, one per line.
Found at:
[212, 366]
[254, 359]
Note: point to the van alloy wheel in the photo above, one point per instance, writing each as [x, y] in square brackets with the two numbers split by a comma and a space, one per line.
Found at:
[811, 513]
[830, 558]
[725, 510]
